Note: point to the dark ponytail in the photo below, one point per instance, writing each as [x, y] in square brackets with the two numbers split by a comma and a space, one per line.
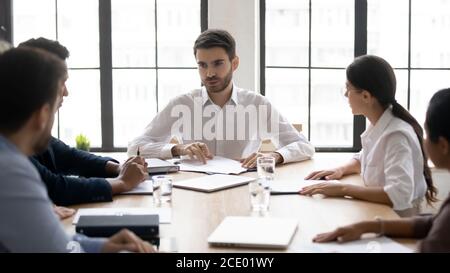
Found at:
[403, 114]
[376, 76]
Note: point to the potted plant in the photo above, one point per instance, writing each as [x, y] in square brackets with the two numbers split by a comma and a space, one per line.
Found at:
[82, 142]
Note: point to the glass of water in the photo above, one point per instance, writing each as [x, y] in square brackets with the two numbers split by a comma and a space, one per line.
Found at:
[260, 188]
[259, 196]
[266, 167]
[162, 189]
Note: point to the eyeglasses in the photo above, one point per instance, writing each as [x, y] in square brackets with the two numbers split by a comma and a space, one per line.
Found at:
[346, 89]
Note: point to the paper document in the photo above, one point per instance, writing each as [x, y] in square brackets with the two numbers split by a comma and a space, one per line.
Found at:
[145, 188]
[216, 165]
[368, 245]
[159, 166]
[293, 186]
[165, 214]
[213, 182]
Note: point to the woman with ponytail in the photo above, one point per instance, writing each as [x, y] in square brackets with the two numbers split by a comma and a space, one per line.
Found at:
[433, 230]
[392, 161]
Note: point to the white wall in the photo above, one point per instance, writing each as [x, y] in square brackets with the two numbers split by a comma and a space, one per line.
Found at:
[241, 19]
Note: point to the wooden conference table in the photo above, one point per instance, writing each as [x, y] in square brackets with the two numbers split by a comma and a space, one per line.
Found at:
[195, 215]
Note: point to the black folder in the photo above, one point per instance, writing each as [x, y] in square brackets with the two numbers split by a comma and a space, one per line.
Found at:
[145, 226]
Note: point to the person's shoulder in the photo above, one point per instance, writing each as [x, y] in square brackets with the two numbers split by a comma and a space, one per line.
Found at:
[186, 98]
[56, 143]
[446, 202]
[398, 127]
[11, 160]
[442, 218]
[251, 97]
[400, 134]
[19, 173]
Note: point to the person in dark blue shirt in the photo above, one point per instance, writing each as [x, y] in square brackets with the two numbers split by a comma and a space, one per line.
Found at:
[31, 87]
[73, 176]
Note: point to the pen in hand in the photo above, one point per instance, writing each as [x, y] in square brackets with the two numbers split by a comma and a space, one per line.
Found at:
[138, 154]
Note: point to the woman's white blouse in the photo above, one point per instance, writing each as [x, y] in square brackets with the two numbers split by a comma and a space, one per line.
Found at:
[391, 158]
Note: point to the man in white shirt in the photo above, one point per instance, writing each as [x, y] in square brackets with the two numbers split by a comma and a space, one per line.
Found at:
[220, 118]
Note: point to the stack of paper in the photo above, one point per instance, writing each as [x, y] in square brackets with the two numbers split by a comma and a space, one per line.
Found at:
[216, 165]
[213, 182]
[145, 188]
[368, 245]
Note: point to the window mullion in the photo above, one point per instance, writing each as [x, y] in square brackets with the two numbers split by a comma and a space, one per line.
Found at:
[359, 122]
[106, 93]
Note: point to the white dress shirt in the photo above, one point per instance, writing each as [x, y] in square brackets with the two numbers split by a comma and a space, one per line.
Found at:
[391, 158]
[154, 142]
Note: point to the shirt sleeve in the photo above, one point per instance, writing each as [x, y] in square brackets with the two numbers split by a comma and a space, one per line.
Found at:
[438, 237]
[71, 161]
[66, 190]
[422, 225]
[154, 142]
[28, 221]
[32, 226]
[357, 156]
[290, 143]
[82, 243]
[399, 171]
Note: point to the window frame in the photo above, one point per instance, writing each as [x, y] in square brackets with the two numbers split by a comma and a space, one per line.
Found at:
[106, 65]
[106, 70]
[360, 48]
[6, 20]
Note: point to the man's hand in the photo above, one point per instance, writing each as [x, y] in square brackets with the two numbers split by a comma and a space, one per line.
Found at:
[250, 161]
[136, 159]
[126, 240]
[63, 212]
[133, 172]
[197, 150]
[113, 169]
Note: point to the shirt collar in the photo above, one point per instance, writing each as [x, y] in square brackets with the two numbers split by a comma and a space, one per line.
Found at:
[374, 132]
[233, 98]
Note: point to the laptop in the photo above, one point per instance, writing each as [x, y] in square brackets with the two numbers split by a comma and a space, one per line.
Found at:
[159, 166]
[254, 232]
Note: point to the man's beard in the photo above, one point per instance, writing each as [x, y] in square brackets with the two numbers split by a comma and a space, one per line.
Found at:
[220, 87]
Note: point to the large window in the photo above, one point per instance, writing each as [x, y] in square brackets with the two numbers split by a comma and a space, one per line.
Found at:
[308, 44]
[128, 59]
[152, 59]
[413, 36]
[75, 25]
